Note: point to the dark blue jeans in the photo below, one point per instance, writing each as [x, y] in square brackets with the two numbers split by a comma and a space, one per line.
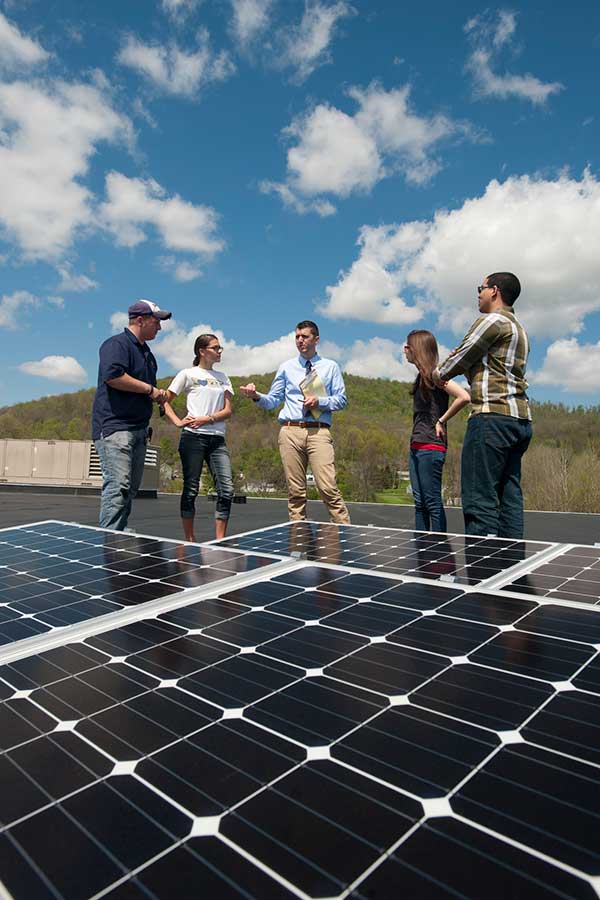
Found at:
[491, 474]
[425, 468]
[194, 450]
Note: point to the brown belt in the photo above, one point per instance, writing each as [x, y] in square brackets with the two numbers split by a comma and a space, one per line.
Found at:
[306, 424]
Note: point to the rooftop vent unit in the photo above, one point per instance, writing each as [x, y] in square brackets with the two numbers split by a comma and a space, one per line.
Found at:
[63, 464]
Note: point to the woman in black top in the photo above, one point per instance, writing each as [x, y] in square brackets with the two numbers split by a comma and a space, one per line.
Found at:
[428, 441]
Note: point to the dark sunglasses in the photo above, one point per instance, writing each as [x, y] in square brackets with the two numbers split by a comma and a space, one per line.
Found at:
[482, 287]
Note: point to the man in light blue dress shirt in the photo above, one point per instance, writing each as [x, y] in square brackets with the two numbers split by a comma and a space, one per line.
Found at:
[305, 436]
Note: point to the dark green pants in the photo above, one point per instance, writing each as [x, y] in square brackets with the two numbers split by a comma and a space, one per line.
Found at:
[491, 474]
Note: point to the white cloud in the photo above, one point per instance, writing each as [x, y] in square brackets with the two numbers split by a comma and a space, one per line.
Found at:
[372, 289]
[507, 25]
[490, 40]
[185, 272]
[57, 368]
[403, 138]
[71, 282]
[12, 307]
[306, 46]
[249, 20]
[179, 9]
[291, 199]
[59, 302]
[406, 269]
[375, 358]
[17, 50]
[380, 358]
[48, 133]
[133, 203]
[571, 366]
[177, 347]
[340, 154]
[144, 113]
[118, 321]
[174, 70]
[74, 33]
[181, 271]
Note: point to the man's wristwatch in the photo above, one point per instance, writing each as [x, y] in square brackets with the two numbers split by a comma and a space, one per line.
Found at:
[151, 391]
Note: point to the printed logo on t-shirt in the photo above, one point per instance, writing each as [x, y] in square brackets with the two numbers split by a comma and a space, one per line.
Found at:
[206, 382]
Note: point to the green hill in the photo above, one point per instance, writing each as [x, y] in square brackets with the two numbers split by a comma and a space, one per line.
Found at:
[561, 469]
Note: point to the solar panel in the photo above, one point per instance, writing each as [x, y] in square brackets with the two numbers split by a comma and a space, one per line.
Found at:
[457, 558]
[54, 574]
[321, 733]
[573, 575]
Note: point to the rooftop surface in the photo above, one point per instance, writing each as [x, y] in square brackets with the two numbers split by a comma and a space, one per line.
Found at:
[160, 516]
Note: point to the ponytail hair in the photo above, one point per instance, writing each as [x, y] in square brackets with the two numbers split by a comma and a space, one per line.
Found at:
[426, 357]
[201, 342]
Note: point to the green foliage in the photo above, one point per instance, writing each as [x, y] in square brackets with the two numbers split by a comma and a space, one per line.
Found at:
[395, 495]
[561, 470]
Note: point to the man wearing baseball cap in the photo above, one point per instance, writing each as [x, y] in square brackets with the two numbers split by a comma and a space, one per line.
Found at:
[122, 410]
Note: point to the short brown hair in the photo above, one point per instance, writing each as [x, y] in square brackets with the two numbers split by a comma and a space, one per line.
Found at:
[308, 324]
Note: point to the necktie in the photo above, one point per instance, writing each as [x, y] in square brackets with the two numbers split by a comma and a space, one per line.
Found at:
[308, 367]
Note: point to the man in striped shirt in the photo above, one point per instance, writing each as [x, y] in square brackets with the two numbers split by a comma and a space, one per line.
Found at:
[493, 357]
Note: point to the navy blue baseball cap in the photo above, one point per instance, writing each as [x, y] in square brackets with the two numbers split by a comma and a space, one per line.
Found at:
[148, 308]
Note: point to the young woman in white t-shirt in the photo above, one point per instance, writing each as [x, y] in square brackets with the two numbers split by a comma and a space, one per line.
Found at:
[209, 396]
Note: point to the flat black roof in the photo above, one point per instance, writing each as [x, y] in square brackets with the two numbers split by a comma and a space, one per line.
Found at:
[160, 516]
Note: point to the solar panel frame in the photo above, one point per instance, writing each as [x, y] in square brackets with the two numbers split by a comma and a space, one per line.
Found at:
[443, 564]
[558, 589]
[105, 612]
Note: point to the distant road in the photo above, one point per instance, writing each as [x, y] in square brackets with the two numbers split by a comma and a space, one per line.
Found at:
[161, 516]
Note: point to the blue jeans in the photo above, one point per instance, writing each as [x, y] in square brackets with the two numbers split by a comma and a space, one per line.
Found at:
[491, 474]
[194, 450]
[122, 455]
[425, 468]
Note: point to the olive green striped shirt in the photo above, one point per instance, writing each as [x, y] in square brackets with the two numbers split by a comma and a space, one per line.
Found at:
[493, 357]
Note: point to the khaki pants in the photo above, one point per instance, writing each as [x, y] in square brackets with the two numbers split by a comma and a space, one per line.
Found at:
[298, 448]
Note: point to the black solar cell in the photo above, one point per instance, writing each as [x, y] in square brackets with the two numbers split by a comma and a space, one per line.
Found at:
[416, 750]
[543, 800]
[446, 857]
[573, 575]
[464, 560]
[54, 575]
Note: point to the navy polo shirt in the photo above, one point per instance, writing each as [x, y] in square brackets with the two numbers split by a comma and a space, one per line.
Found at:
[115, 410]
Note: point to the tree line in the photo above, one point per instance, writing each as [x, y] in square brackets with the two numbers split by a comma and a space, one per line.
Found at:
[561, 470]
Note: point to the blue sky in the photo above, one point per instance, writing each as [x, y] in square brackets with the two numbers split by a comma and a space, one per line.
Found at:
[250, 163]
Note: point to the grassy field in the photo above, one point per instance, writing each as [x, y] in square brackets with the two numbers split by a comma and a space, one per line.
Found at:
[395, 495]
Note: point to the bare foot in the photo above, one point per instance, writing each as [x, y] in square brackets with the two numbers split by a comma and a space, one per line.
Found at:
[188, 530]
